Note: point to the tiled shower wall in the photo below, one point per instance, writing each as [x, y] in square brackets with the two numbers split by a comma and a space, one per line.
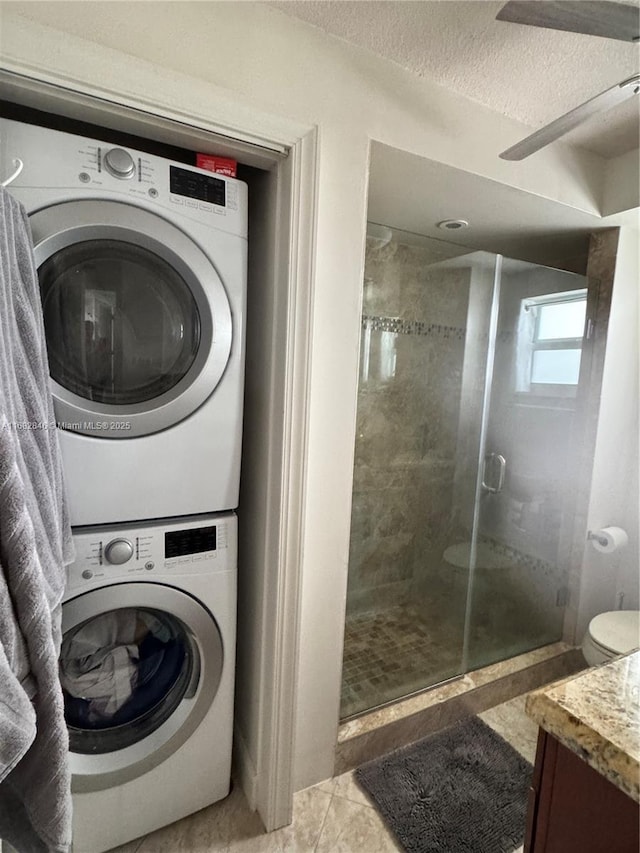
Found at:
[413, 337]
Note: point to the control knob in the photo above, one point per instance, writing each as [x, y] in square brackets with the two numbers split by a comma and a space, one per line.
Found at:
[120, 163]
[118, 551]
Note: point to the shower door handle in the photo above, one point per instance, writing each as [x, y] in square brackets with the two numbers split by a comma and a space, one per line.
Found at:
[495, 466]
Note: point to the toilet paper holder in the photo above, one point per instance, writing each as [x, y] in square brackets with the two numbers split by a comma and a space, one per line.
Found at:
[608, 540]
[601, 540]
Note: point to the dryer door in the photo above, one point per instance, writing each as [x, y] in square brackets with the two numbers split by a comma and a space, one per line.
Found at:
[140, 666]
[137, 319]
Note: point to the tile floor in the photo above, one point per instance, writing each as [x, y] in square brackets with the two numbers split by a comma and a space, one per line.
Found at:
[394, 652]
[399, 650]
[332, 817]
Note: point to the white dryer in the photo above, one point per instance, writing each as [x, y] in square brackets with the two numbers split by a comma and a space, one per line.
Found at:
[147, 667]
[142, 268]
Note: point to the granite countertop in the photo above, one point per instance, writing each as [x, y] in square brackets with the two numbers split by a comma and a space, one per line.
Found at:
[596, 714]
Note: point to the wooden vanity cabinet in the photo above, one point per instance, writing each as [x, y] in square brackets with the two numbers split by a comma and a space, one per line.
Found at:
[574, 809]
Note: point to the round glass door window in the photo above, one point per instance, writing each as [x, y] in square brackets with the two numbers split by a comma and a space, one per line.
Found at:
[122, 325]
[123, 674]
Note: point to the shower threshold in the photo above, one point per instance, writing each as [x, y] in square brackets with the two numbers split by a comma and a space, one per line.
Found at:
[399, 700]
[375, 732]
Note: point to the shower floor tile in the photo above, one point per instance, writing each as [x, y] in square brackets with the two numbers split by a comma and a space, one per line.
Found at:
[391, 653]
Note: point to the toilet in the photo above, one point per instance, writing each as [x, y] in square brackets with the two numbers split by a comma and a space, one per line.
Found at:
[610, 634]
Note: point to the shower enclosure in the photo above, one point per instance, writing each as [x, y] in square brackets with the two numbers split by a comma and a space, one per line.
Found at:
[464, 464]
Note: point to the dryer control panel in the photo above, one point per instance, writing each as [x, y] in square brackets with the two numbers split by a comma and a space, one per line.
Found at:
[197, 544]
[78, 167]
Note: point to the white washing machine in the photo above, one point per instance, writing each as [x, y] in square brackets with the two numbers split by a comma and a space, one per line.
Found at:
[147, 667]
[142, 267]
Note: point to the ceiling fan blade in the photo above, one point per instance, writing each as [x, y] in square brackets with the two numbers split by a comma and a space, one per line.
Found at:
[550, 132]
[595, 17]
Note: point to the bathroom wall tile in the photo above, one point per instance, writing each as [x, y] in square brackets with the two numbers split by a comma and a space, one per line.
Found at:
[367, 599]
[407, 421]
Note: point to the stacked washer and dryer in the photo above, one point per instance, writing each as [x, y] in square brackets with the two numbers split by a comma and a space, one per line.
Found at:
[142, 268]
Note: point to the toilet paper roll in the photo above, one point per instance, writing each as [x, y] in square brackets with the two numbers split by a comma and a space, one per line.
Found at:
[609, 539]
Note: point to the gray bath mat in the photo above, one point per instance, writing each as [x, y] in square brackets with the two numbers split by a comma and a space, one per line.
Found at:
[462, 790]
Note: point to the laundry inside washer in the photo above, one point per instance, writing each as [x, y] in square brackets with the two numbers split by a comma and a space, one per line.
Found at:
[123, 674]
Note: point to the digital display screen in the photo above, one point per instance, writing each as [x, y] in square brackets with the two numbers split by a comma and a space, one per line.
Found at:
[180, 543]
[196, 185]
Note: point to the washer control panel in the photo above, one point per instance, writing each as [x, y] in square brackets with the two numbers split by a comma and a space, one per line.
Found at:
[98, 165]
[200, 543]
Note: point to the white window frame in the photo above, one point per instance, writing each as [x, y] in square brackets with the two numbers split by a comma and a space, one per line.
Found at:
[527, 348]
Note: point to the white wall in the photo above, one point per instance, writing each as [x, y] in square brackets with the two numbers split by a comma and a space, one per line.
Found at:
[249, 66]
[622, 183]
[614, 487]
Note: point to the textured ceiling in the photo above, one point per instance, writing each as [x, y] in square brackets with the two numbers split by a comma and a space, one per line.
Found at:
[530, 74]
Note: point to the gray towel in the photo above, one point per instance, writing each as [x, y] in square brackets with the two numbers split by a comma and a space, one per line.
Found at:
[35, 545]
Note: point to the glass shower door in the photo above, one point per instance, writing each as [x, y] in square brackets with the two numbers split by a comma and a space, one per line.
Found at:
[464, 471]
[523, 510]
[424, 348]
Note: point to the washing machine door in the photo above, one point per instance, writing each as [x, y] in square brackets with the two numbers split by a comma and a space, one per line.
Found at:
[137, 319]
[140, 666]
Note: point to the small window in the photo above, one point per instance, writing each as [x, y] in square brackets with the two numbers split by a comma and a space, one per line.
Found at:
[549, 349]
